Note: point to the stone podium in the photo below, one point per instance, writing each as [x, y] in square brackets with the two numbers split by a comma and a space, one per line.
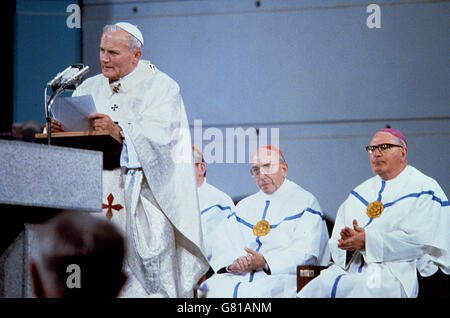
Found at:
[36, 182]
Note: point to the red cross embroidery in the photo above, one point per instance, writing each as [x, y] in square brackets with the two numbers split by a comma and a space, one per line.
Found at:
[111, 207]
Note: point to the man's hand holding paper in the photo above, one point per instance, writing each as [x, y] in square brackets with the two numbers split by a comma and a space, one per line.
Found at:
[72, 113]
[56, 126]
[102, 122]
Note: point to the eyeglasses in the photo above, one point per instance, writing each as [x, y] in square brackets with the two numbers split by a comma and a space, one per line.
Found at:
[268, 168]
[382, 148]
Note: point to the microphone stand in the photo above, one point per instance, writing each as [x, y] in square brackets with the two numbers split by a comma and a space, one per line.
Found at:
[48, 108]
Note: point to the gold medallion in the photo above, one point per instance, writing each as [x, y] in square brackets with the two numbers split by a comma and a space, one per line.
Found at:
[375, 209]
[261, 228]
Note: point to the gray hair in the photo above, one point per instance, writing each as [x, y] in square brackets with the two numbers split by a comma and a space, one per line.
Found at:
[401, 142]
[133, 44]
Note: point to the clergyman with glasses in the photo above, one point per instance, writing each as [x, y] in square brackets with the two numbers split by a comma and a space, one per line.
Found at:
[390, 226]
[274, 230]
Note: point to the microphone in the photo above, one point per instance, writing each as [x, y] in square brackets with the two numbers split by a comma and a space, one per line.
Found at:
[67, 79]
[55, 81]
[73, 81]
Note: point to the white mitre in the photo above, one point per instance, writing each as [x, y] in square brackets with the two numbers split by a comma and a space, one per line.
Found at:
[132, 29]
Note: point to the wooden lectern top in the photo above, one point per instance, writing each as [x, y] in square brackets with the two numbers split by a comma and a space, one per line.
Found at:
[91, 140]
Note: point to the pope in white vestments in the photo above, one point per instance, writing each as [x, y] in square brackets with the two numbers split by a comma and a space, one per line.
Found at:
[150, 195]
[400, 220]
[280, 227]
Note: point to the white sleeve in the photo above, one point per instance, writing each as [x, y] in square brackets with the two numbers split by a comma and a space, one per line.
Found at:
[128, 157]
[337, 254]
[414, 236]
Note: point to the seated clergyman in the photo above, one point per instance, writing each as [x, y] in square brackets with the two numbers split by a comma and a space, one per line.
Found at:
[277, 229]
[389, 226]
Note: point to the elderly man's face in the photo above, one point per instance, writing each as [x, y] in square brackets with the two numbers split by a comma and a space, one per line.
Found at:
[389, 163]
[268, 170]
[116, 59]
[200, 169]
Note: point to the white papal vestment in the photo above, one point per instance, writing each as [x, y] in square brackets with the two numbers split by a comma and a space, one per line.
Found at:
[297, 236]
[410, 234]
[150, 197]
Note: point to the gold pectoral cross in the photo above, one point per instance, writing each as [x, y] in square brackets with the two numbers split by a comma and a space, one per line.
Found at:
[116, 89]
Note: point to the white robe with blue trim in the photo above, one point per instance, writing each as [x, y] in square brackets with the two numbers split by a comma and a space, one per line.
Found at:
[411, 234]
[215, 206]
[298, 236]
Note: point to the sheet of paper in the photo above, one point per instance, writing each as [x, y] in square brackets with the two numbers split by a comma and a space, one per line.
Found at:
[73, 112]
